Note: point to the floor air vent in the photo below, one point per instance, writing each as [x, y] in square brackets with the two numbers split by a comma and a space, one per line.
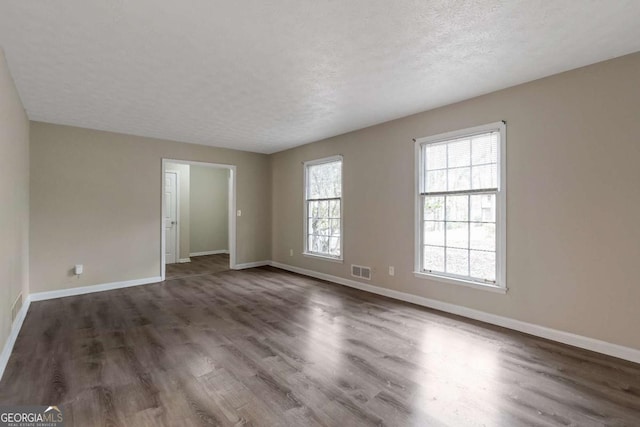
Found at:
[361, 271]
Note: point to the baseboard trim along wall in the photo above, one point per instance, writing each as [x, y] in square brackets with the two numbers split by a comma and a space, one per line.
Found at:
[216, 252]
[183, 260]
[41, 296]
[580, 341]
[11, 340]
[251, 265]
[575, 340]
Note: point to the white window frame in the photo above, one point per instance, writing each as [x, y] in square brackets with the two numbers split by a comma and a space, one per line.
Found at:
[306, 252]
[500, 285]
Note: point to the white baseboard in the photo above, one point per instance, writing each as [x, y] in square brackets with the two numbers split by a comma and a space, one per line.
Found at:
[41, 296]
[615, 350]
[580, 341]
[183, 260]
[216, 252]
[251, 265]
[13, 335]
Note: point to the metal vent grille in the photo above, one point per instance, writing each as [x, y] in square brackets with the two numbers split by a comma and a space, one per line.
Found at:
[361, 271]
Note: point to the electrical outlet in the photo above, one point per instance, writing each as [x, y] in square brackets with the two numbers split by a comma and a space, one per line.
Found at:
[239, 213]
[290, 252]
[392, 270]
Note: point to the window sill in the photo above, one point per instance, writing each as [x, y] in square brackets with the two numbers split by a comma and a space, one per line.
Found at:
[323, 257]
[459, 282]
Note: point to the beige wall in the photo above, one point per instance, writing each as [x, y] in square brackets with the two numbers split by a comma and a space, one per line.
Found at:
[209, 209]
[14, 199]
[573, 200]
[96, 196]
[184, 206]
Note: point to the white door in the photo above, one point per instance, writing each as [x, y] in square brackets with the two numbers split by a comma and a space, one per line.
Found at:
[170, 216]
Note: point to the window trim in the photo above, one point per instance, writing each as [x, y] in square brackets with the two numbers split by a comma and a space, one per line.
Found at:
[305, 251]
[501, 209]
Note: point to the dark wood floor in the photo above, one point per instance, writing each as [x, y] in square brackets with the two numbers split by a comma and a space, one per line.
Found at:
[266, 347]
[199, 265]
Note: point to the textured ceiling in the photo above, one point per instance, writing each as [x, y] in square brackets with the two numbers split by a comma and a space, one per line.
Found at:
[268, 75]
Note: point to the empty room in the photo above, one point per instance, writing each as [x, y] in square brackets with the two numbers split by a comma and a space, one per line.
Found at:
[319, 213]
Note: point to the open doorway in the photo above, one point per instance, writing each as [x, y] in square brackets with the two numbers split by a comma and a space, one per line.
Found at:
[197, 218]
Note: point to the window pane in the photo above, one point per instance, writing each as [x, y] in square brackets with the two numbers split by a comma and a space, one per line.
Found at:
[483, 265]
[319, 244]
[312, 209]
[434, 208]
[330, 208]
[323, 242]
[324, 180]
[336, 212]
[333, 209]
[334, 246]
[335, 227]
[457, 208]
[457, 261]
[436, 181]
[436, 156]
[459, 179]
[483, 236]
[459, 153]
[484, 176]
[434, 233]
[457, 234]
[323, 209]
[484, 149]
[321, 226]
[459, 230]
[483, 208]
[433, 258]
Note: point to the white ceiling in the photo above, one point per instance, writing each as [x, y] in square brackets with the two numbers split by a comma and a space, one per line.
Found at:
[269, 75]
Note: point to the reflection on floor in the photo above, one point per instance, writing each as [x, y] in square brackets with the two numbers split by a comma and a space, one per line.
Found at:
[198, 266]
[264, 347]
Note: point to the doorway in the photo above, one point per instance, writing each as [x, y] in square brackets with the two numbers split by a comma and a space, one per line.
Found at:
[198, 231]
[171, 216]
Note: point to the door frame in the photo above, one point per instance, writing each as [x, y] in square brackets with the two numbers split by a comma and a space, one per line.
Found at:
[177, 245]
[231, 208]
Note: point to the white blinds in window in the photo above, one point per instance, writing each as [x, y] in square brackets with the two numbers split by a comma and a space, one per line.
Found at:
[462, 165]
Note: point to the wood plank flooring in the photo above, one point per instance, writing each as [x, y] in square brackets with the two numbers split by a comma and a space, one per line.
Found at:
[199, 265]
[265, 347]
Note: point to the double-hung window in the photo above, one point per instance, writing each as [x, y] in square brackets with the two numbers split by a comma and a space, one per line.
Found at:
[461, 206]
[323, 207]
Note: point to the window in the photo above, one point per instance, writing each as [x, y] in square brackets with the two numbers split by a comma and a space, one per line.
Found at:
[461, 206]
[323, 207]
